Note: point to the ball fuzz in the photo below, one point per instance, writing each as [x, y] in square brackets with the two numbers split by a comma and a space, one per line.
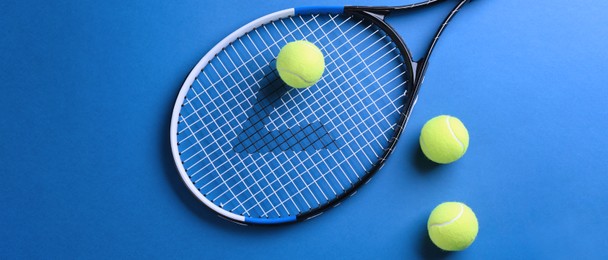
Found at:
[452, 226]
[300, 64]
[444, 139]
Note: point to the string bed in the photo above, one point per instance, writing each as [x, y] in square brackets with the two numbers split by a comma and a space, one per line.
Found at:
[261, 149]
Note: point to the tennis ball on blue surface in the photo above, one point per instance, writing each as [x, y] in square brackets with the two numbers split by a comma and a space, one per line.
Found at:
[300, 64]
[452, 226]
[444, 139]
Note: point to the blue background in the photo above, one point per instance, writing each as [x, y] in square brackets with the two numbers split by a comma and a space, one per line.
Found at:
[88, 88]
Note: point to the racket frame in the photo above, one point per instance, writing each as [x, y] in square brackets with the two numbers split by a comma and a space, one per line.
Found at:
[376, 15]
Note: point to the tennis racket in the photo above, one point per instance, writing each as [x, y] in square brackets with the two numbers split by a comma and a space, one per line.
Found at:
[257, 151]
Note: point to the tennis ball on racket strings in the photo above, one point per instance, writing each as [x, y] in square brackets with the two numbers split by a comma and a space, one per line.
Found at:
[444, 139]
[452, 226]
[300, 64]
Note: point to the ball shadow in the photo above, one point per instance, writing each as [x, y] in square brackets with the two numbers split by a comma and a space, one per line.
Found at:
[419, 160]
[428, 250]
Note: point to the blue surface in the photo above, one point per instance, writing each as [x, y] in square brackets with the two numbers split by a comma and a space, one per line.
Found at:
[88, 87]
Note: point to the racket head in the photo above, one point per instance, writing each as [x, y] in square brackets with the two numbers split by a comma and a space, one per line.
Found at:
[259, 152]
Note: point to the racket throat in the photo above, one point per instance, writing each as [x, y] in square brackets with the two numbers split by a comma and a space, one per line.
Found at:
[419, 69]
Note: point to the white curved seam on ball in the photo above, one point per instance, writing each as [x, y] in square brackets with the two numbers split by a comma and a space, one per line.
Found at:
[447, 119]
[451, 221]
[293, 73]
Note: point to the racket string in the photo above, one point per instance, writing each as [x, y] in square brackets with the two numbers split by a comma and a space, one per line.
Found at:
[291, 115]
[248, 188]
[263, 176]
[245, 211]
[358, 54]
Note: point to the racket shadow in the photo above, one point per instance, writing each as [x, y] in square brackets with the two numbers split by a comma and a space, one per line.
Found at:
[255, 137]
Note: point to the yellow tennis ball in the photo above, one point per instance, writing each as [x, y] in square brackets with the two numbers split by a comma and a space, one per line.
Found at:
[452, 226]
[444, 139]
[300, 64]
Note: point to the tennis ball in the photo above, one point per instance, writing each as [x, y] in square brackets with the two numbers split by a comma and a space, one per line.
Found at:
[300, 64]
[444, 139]
[452, 226]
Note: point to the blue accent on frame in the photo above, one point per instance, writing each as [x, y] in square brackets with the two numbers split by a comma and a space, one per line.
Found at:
[270, 221]
[304, 10]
